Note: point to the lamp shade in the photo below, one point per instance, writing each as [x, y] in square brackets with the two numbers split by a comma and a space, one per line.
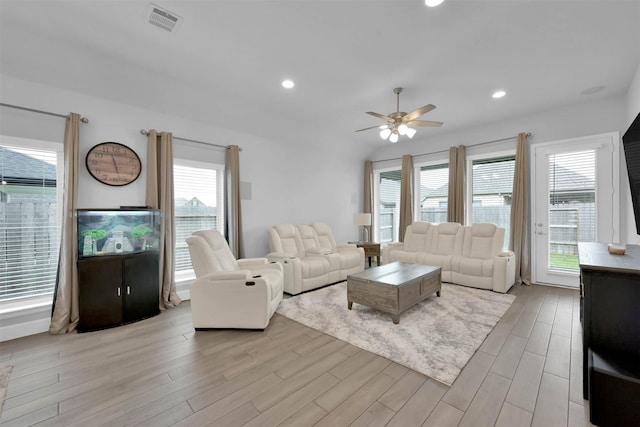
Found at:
[362, 219]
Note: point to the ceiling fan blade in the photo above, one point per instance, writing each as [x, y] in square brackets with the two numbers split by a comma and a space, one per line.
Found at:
[418, 112]
[422, 123]
[373, 127]
[380, 116]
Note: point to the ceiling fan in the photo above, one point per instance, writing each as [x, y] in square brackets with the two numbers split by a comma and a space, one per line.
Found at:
[398, 123]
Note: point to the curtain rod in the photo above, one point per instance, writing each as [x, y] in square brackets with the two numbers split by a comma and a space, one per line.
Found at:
[146, 133]
[447, 150]
[17, 107]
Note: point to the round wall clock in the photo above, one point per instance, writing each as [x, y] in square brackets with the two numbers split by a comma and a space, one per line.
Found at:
[113, 163]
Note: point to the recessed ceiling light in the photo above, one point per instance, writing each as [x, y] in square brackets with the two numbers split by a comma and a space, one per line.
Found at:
[288, 84]
[432, 3]
[499, 94]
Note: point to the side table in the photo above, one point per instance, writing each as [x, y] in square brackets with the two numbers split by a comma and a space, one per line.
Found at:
[371, 249]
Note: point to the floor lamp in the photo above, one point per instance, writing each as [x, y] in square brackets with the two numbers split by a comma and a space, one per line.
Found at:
[363, 220]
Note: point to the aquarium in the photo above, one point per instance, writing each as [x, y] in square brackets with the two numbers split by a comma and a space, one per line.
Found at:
[117, 231]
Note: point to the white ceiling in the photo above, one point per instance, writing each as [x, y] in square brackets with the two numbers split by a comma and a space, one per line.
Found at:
[225, 64]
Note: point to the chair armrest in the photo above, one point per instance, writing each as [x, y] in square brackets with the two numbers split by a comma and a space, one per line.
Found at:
[280, 256]
[316, 251]
[348, 246]
[247, 263]
[228, 275]
[394, 245]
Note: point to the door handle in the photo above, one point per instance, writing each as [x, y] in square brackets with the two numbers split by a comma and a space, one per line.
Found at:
[128, 290]
[118, 291]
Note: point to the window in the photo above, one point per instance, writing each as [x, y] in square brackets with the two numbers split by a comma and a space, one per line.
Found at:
[198, 196]
[388, 214]
[572, 206]
[491, 181]
[433, 182]
[30, 217]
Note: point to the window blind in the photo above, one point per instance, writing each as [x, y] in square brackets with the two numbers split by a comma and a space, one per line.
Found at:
[389, 212]
[572, 207]
[198, 204]
[492, 188]
[434, 192]
[29, 230]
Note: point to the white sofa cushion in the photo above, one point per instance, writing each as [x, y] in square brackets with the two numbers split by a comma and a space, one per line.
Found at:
[345, 259]
[448, 238]
[418, 237]
[286, 240]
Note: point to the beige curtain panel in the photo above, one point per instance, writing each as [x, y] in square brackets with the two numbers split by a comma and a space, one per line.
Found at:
[368, 191]
[406, 211]
[234, 208]
[519, 238]
[65, 310]
[368, 187]
[160, 196]
[455, 201]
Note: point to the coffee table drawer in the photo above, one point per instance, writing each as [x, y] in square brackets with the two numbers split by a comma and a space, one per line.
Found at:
[431, 284]
[409, 294]
[374, 295]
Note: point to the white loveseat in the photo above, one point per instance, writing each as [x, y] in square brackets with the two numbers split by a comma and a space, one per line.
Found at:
[468, 255]
[310, 256]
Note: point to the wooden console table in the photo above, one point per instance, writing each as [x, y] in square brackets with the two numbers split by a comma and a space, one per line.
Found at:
[609, 312]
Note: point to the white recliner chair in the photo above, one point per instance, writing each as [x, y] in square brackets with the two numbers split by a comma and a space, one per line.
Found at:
[230, 293]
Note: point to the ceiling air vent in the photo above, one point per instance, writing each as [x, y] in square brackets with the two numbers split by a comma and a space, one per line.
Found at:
[163, 18]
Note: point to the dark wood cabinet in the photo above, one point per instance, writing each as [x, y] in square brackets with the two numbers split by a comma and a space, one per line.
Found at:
[117, 289]
[610, 316]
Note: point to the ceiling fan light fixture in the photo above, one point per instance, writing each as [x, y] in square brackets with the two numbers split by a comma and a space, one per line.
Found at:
[433, 3]
[397, 123]
[384, 134]
[498, 94]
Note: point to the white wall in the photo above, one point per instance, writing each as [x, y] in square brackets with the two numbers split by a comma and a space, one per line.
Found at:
[589, 118]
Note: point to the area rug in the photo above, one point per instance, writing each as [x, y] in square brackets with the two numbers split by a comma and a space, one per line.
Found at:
[436, 337]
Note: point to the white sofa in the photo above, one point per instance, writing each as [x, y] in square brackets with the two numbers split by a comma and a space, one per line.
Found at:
[468, 255]
[310, 256]
[230, 293]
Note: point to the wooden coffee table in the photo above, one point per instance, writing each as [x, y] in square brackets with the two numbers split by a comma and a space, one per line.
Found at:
[394, 287]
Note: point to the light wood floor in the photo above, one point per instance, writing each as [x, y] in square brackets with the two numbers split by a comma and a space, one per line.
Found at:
[160, 372]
